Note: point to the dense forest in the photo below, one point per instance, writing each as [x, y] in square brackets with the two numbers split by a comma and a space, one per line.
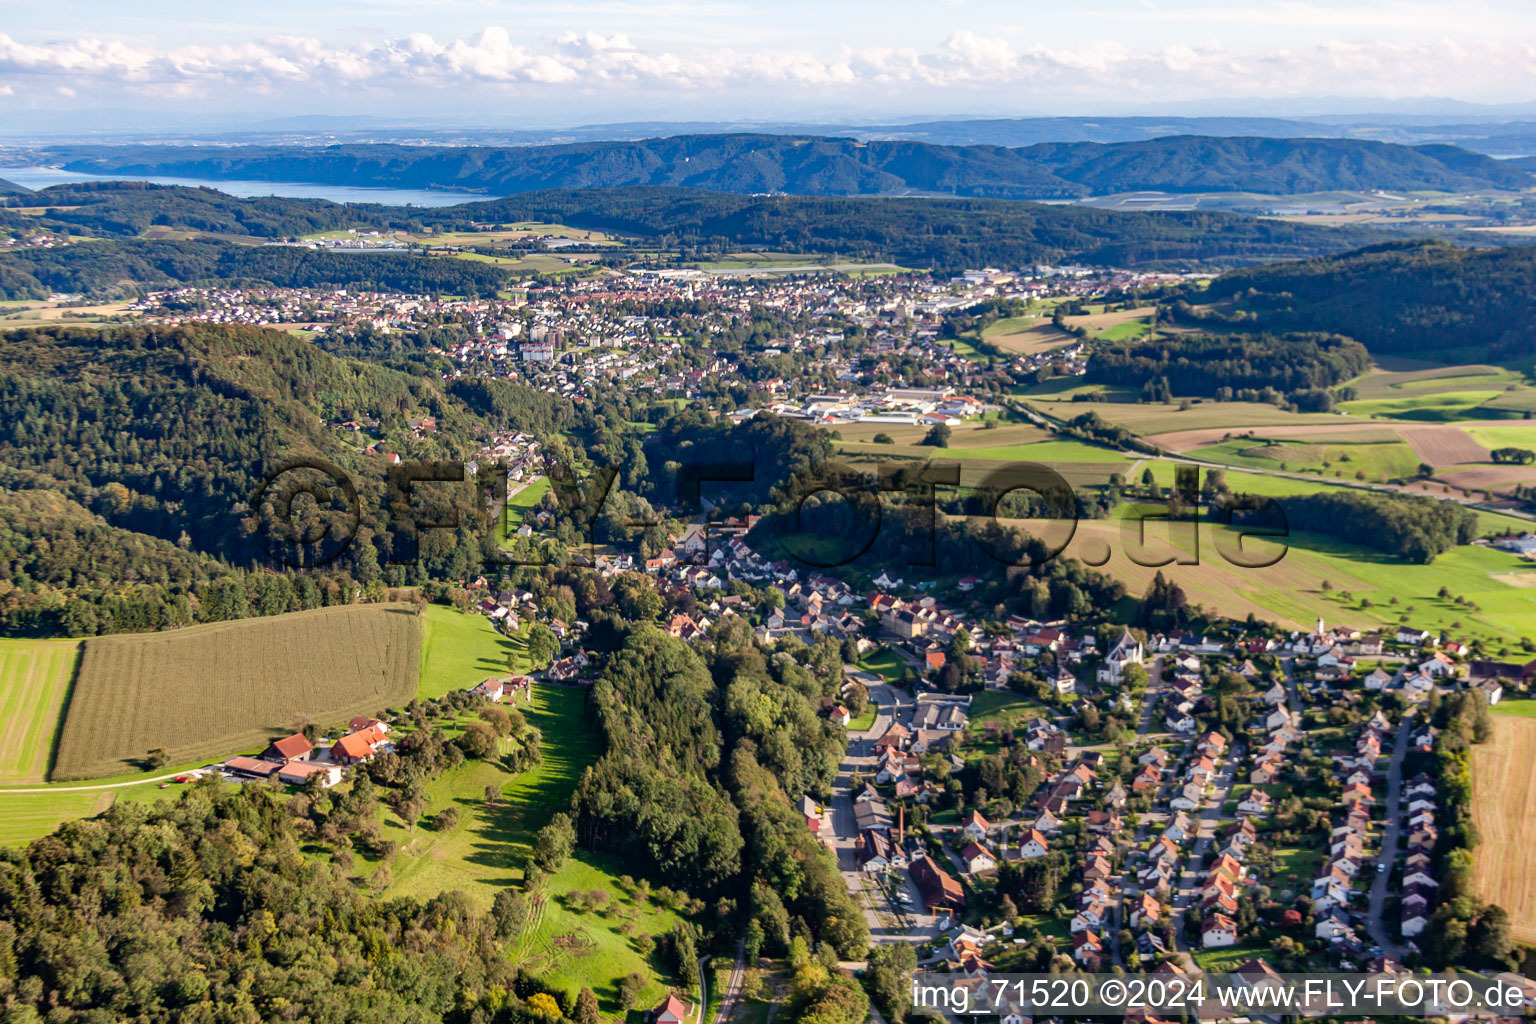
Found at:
[941, 234]
[1414, 529]
[1228, 366]
[944, 234]
[128, 267]
[811, 165]
[705, 757]
[209, 909]
[1406, 298]
[129, 208]
[131, 456]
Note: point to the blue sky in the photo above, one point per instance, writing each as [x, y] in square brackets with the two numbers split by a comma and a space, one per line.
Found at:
[557, 63]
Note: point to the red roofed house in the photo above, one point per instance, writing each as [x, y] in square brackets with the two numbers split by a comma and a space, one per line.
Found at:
[289, 748]
[672, 1011]
[357, 746]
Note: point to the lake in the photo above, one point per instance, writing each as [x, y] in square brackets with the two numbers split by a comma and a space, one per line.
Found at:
[42, 177]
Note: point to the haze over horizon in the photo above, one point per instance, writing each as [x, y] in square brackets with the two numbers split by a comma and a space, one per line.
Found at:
[542, 65]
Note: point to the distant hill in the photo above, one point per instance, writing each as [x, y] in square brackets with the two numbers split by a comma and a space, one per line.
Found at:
[1403, 298]
[941, 234]
[938, 234]
[10, 188]
[809, 165]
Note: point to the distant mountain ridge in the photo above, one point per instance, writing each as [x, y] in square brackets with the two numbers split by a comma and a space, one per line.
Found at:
[824, 166]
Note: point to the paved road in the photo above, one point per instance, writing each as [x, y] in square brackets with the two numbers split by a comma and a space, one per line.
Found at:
[1207, 821]
[193, 773]
[732, 997]
[1376, 922]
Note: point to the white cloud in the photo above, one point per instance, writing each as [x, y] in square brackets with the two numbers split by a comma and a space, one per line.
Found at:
[965, 63]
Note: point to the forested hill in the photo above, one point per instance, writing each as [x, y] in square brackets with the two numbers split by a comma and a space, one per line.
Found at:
[129, 460]
[10, 188]
[809, 165]
[937, 234]
[1406, 298]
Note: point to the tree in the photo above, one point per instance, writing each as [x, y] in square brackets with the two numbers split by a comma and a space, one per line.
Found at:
[586, 1011]
[630, 987]
[937, 436]
[478, 740]
[157, 758]
[445, 819]
[542, 1006]
[509, 911]
[543, 645]
[497, 718]
[554, 842]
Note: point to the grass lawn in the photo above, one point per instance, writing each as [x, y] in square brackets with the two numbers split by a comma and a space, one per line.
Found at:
[885, 663]
[530, 496]
[1515, 708]
[485, 850]
[35, 677]
[863, 722]
[1229, 958]
[595, 949]
[459, 650]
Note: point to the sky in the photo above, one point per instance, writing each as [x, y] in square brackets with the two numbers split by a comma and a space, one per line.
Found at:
[538, 64]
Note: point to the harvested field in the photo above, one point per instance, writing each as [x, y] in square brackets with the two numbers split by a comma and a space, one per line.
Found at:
[1099, 322]
[229, 687]
[1503, 792]
[1027, 335]
[1444, 446]
[34, 682]
[1488, 478]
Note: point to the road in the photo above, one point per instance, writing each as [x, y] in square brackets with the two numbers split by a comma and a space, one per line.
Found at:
[194, 773]
[1208, 820]
[913, 925]
[1375, 922]
[732, 996]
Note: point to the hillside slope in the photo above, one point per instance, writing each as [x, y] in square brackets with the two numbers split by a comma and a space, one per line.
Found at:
[810, 165]
[1403, 298]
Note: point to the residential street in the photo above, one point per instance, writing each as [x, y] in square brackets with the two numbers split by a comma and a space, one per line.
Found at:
[1381, 932]
[895, 705]
[1208, 820]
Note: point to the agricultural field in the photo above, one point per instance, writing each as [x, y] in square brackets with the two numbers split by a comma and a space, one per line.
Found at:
[459, 650]
[1150, 418]
[1026, 335]
[1374, 462]
[28, 816]
[229, 687]
[1292, 591]
[1503, 792]
[1512, 435]
[1065, 450]
[1471, 391]
[34, 684]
